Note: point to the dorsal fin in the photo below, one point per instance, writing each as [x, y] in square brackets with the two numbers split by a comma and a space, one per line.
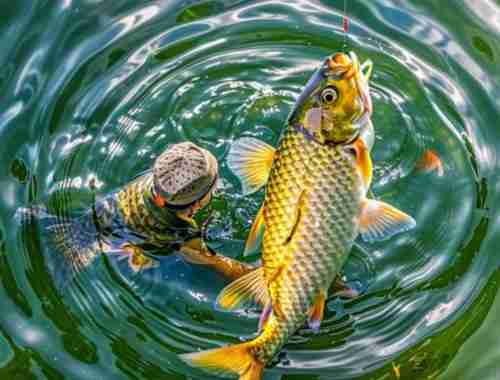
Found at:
[251, 160]
[256, 232]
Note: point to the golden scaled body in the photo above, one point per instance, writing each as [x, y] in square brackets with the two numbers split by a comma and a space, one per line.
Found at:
[311, 212]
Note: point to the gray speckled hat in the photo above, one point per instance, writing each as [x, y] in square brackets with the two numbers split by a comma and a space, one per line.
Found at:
[184, 173]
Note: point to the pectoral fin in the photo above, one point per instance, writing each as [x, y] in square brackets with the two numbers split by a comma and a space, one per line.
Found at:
[249, 288]
[317, 311]
[251, 160]
[380, 221]
[363, 161]
[255, 235]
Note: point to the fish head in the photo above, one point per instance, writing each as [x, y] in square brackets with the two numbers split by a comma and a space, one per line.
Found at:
[336, 102]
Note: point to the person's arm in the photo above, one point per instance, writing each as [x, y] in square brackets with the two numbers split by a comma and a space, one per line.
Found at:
[197, 252]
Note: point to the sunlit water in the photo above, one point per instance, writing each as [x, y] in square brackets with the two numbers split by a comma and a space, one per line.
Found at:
[92, 91]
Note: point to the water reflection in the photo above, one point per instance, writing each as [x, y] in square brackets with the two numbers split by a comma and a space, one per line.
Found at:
[89, 103]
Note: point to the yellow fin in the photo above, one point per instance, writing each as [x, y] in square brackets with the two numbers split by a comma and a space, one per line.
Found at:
[317, 311]
[256, 232]
[254, 372]
[227, 361]
[251, 160]
[363, 161]
[249, 288]
[380, 221]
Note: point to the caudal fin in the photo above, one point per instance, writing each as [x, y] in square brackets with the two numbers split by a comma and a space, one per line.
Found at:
[227, 362]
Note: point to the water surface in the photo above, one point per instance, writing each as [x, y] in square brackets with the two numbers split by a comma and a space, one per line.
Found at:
[92, 91]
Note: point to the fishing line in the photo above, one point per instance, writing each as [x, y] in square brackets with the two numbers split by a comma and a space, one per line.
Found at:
[345, 27]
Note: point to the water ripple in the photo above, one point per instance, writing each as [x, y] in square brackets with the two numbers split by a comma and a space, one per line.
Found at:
[94, 91]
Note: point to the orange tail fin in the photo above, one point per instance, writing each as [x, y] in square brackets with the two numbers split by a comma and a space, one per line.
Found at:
[227, 361]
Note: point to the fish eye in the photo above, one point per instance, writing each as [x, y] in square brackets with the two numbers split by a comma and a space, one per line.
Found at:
[329, 95]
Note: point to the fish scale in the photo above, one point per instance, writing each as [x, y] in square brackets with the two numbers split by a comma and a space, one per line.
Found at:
[323, 237]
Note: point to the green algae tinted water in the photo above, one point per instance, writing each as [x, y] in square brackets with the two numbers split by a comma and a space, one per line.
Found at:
[92, 91]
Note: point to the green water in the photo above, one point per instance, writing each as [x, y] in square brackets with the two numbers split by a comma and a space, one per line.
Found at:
[92, 91]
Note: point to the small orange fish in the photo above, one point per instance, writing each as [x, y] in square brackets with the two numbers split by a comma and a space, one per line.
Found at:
[429, 162]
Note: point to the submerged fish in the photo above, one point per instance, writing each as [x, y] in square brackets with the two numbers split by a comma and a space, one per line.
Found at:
[429, 162]
[315, 206]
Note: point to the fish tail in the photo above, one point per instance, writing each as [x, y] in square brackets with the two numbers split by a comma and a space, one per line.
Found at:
[228, 361]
